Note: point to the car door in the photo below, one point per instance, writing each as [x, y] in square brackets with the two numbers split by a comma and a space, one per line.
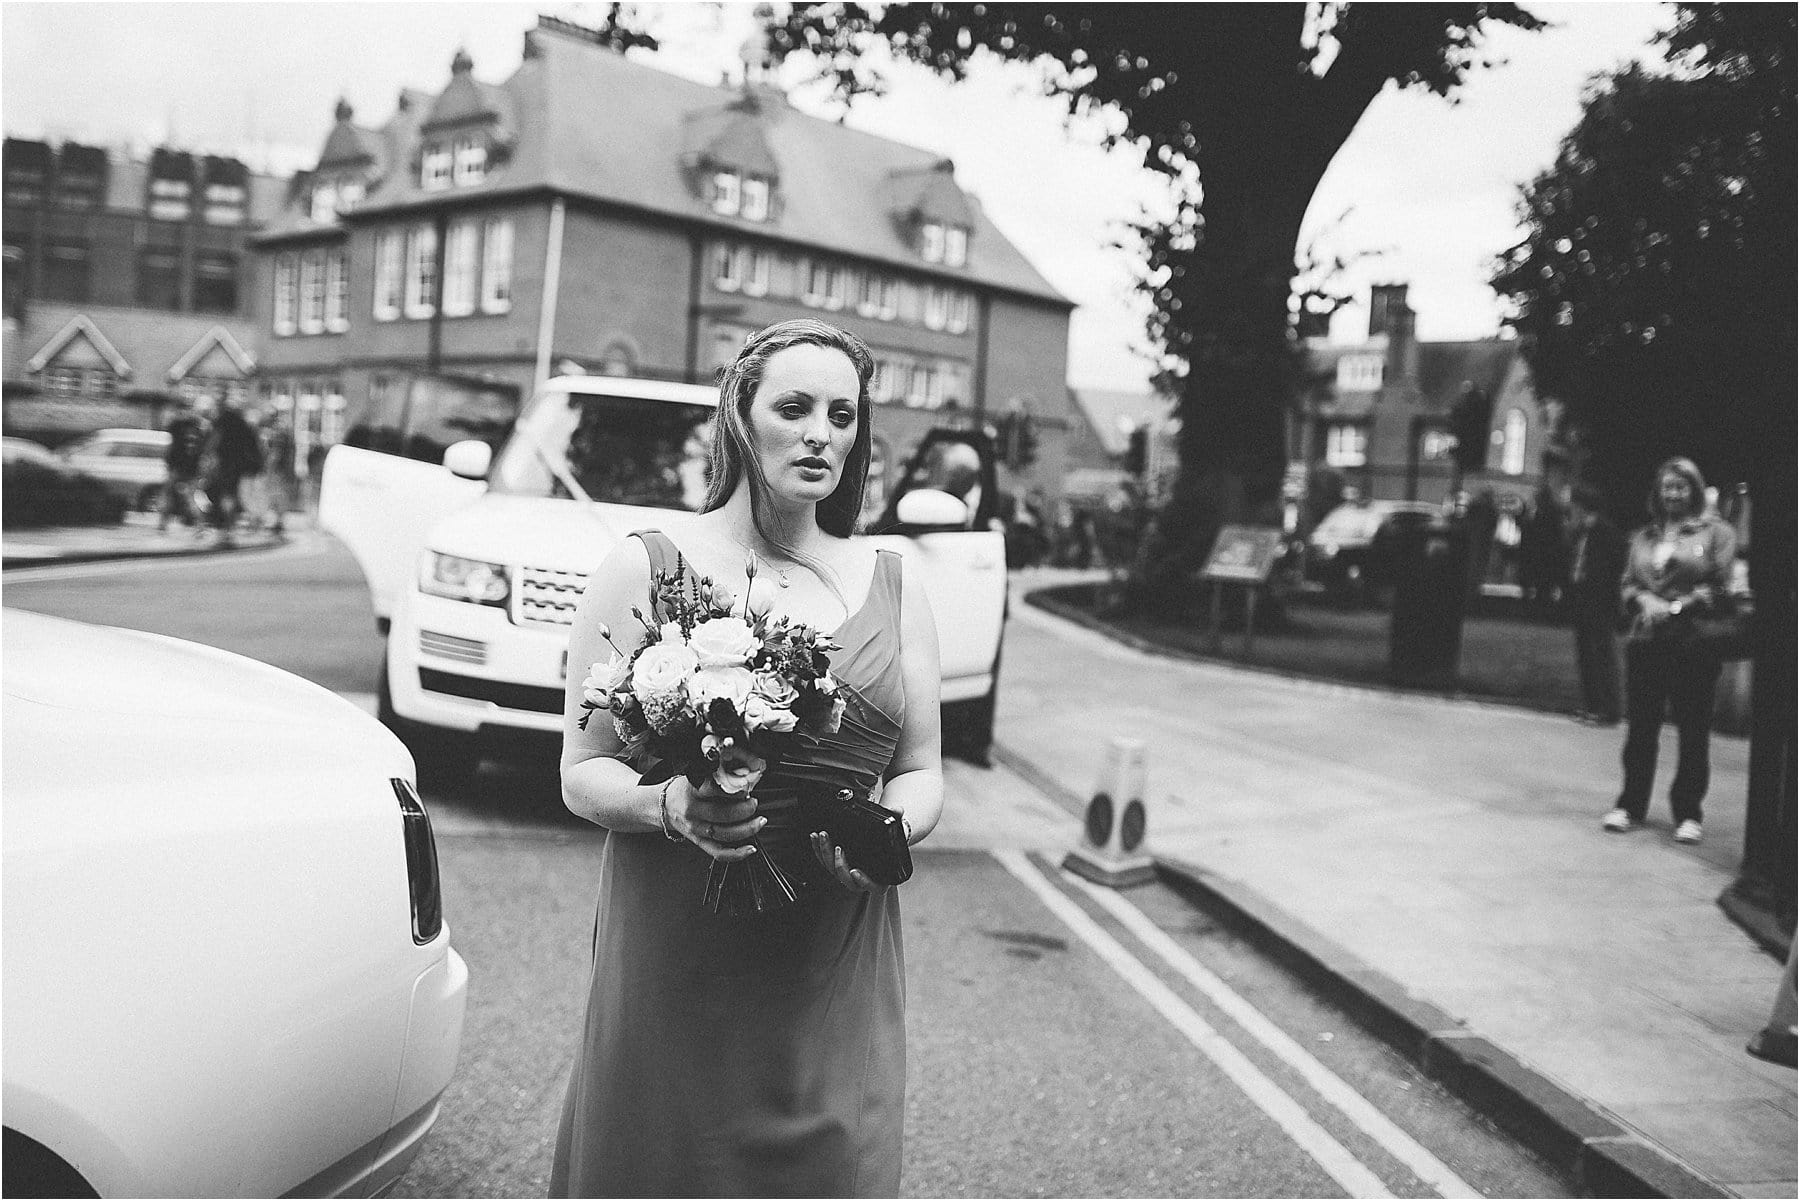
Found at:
[963, 570]
[382, 506]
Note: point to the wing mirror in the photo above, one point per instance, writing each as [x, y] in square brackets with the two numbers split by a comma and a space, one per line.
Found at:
[929, 508]
[469, 459]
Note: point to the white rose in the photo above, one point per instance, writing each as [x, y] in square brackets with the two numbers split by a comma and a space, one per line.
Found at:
[672, 635]
[663, 667]
[759, 714]
[720, 683]
[603, 679]
[724, 642]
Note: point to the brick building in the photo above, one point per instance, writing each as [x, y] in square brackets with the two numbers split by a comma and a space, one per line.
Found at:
[597, 214]
[1378, 411]
[127, 282]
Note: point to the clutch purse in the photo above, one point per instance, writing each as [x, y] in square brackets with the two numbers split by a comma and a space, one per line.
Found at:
[873, 837]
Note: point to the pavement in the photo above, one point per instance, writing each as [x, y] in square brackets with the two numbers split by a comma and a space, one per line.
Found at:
[1435, 865]
[136, 538]
[1439, 867]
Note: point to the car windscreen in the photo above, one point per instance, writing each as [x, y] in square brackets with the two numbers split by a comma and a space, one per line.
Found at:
[617, 449]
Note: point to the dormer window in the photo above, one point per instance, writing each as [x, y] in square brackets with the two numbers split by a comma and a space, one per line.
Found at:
[756, 199]
[727, 193]
[324, 201]
[350, 194]
[471, 161]
[435, 167]
[1359, 373]
[931, 242]
[170, 199]
[956, 246]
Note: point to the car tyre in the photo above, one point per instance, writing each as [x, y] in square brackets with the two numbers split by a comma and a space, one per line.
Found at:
[969, 725]
[445, 759]
[34, 1170]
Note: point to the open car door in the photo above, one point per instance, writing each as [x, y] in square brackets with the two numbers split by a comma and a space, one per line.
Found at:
[382, 506]
[963, 566]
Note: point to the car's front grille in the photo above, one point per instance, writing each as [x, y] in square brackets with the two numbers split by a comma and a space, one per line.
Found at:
[527, 697]
[449, 646]
[544, 596]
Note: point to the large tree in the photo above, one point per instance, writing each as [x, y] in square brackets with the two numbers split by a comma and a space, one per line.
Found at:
[1655, 295]
[1242, 107]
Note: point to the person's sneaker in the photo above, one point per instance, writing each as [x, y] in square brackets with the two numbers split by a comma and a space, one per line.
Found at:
[1617, 821]
[1688, 831]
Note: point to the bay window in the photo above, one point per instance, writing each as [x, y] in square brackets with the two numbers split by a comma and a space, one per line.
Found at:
[421, 271]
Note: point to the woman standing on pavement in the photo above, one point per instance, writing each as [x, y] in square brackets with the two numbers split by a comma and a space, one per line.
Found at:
[758, 1054]
[1678, 567]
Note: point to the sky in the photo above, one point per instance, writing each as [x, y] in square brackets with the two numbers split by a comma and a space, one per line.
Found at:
[1430, 185]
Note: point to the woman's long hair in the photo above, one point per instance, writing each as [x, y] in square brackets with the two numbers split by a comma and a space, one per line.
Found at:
[1688, 470]
[734, 455]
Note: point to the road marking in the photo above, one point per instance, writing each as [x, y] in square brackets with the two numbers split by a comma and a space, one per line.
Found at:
[1327, 1152]
[1371, 1121]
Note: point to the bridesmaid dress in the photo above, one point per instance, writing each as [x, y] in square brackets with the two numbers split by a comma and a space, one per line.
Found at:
[761, 1055]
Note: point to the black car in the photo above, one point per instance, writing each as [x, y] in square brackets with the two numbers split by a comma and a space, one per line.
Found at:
[1348, 551]
[37, 489]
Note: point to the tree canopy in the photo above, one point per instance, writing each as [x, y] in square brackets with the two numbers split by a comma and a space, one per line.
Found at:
[1242, 107]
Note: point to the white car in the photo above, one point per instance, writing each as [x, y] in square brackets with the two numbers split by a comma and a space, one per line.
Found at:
[227, 970]
[475, 565]
[130, 462]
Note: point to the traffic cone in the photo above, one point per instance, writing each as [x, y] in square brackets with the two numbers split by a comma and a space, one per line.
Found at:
[1112, 848]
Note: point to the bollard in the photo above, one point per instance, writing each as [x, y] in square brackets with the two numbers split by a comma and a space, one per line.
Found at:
[1112, 848]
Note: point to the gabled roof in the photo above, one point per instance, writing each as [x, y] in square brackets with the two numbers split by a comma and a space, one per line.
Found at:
[151, 342]
[467, 100]
[218, 338]
[928, 194]
[350, 144]
[1443, 366]
[729, 135]
[1108, 411]
[593, 124]
[79, 326]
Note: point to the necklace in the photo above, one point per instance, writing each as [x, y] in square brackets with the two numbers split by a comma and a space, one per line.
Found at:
[757, 556]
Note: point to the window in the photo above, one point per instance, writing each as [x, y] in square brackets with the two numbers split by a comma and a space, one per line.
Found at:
[389, 256]
[287, 293]
[215, 283]
[756, 274]
[956, 246]
[434, 167]
[1359, 372]
[726, 193]
[868, 294]
[159, 279]
[837, 287]
[170, 199]
[1512, 444]
[817, 283]
[937, 308]
[496, 266]
[350, 194]
[324, 201]
[24, 184]
[312, 292]
[462, 261]
[755, 197]
[1346, 446]
[960, 304]
[225, 204]
[421, 271]
[920, 387]
[727, 267]
[337, 291]
[931, 242]
[471, 161]
[890, 299]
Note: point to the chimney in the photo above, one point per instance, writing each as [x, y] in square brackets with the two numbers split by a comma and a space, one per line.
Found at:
[1392, 317]
[1385, 300]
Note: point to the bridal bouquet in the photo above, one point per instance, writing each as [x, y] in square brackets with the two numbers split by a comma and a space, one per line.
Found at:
[716, 689]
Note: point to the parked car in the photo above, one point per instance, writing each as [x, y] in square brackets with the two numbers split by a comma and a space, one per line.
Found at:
[1346, 552]
[227, 969]
[475, 566]
[37, 488]
[128, 461]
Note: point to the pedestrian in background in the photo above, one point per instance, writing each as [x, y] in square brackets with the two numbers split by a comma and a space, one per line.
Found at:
[234, 453]
[1678, 568]
[187, 443]
[1543, 556]
[1596, 563]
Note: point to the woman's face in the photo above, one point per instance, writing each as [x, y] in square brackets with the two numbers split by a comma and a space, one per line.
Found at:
[802, 421]
[1677, 494]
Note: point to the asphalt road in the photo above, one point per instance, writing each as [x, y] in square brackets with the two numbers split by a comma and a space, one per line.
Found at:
[1062, 1041]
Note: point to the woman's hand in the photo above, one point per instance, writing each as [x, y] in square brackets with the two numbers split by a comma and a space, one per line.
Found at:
[717, 822]
[832, 858]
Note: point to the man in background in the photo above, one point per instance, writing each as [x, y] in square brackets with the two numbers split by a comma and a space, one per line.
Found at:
[187, 442]
[1596, 561]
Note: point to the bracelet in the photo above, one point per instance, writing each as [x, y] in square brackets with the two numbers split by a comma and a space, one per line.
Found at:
[662, 810]
[906, 825]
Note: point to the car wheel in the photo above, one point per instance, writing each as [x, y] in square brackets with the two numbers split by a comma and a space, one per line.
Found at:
[34, 1170]
[444, 758]
[969, 725]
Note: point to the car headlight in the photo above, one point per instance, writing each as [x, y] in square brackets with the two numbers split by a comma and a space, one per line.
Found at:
[463, 579]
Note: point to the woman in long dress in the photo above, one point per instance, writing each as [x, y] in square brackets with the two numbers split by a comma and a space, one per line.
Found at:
[761, 1054]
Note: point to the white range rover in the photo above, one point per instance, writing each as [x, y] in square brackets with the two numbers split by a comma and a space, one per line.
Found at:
[475, 563]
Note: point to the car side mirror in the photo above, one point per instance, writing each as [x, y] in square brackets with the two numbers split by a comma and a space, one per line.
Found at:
[469, 459]
[928, 508]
